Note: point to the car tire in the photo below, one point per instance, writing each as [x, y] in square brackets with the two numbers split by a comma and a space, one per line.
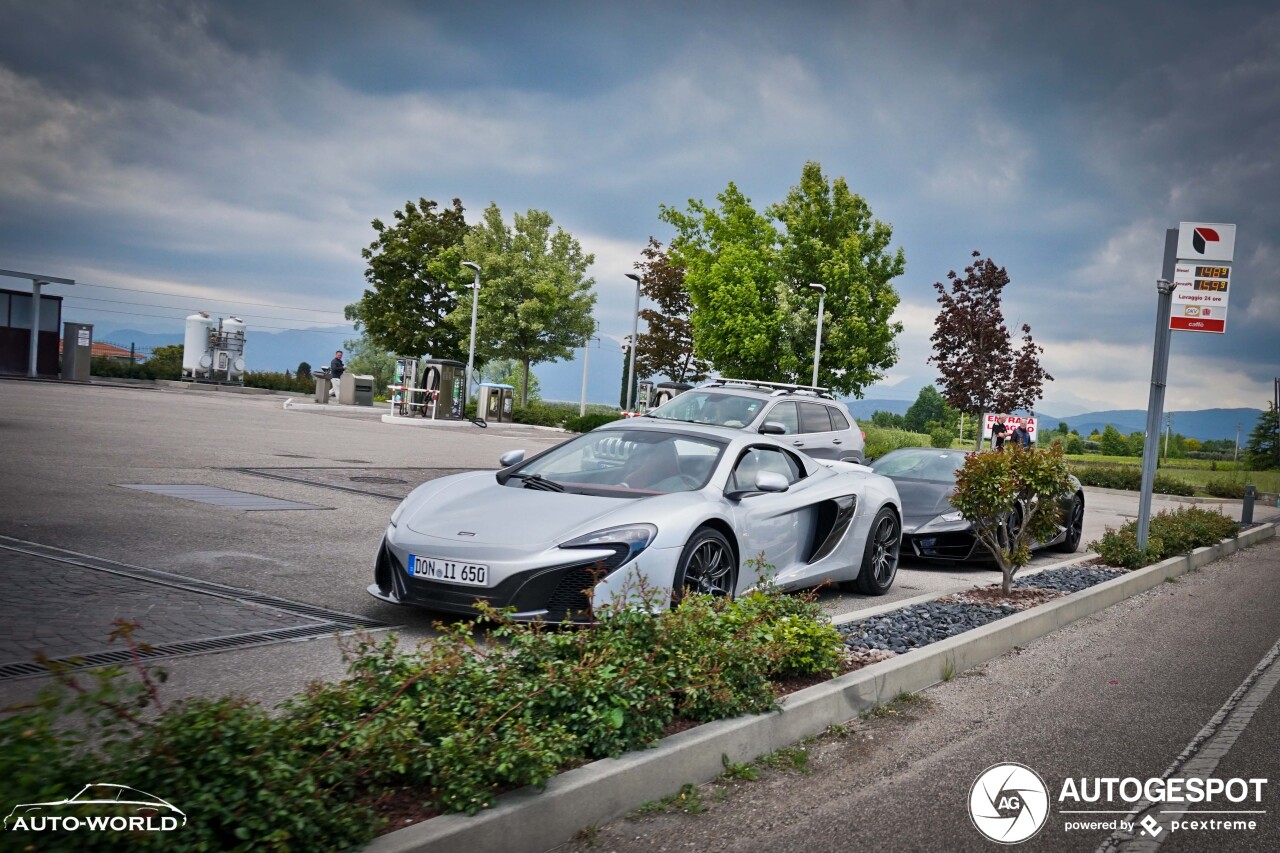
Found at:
[706, 565]
[1075, 528]
[880, 555]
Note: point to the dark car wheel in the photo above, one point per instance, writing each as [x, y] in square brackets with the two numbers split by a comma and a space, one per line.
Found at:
[880, 556]
[1075, 527]
[706, 565]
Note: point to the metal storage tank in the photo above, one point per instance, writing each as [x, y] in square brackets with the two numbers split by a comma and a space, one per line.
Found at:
[233, 339]
[197, 357]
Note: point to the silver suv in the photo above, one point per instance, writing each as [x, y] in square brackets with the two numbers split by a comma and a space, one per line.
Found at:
[816, 423]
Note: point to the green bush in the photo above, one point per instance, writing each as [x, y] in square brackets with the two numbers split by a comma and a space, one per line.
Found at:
[455, 718]
[1224, 489]
[881, 440]
[589, 421]
[280, 381]
[1170, 533]
[941, 437]
[1128, 477]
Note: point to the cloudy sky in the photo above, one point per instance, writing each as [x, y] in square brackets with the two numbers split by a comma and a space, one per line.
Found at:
[239, 150]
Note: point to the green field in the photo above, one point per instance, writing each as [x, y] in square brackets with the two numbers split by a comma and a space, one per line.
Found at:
[1197, 472]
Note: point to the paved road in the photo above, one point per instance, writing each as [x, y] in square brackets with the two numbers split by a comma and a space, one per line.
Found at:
[68, 449]
[1120, 694]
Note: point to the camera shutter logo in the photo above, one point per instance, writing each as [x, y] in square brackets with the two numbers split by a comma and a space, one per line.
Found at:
[1008, 803]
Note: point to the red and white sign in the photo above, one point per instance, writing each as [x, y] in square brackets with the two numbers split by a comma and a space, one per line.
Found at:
[1206, 241]
[1011, 422]
[1202, 277]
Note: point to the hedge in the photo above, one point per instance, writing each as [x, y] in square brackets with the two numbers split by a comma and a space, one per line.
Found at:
[1128, 477]
[1170, 534]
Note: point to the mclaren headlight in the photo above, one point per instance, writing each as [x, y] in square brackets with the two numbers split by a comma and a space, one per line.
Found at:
[631, 538]
[948, 520]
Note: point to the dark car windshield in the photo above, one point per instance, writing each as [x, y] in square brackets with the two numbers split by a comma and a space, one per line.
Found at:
[710, 407]
[623, 463]
[921, 463]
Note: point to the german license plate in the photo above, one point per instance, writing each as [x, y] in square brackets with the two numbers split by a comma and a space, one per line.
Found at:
[448, 571]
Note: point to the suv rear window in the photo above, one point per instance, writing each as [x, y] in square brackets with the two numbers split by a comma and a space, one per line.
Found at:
[837, 420]
[814, 418]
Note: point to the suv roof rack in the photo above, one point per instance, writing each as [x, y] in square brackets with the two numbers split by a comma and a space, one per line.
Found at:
[778, 388]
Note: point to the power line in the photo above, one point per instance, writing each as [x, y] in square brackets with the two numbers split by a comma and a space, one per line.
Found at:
[175, 307]
[167, 317]
[206, 299]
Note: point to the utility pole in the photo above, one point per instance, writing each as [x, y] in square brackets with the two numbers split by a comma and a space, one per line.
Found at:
[586, 359]
[1235, 457]
[1168, 428]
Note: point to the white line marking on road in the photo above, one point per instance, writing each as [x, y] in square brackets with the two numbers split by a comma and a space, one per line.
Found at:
[1216, 738]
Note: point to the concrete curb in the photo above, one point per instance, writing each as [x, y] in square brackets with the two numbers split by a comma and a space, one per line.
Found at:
[528, 821]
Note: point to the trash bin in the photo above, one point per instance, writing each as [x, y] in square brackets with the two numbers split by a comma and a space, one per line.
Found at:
[322, 385]
[359, 388]
[494, 404]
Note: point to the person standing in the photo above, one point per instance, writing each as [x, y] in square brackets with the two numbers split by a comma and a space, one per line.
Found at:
[999, 432]
[336, 369]
[1022, 437]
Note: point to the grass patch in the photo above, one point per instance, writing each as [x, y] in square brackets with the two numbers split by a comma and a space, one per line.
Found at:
[791, 759]
[688, 800]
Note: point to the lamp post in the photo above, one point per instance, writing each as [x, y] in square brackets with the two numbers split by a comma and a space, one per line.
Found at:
[475, 301]
[586, 359]
[635, 340]
[817, 344]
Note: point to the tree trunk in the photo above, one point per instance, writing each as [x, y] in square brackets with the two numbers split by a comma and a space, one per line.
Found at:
[524, 388]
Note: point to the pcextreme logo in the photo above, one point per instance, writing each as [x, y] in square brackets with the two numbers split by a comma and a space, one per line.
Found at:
[1008, 803]
[100, 807]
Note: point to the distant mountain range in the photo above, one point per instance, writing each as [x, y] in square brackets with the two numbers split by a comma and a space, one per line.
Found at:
[563, 381]
[1205, 424]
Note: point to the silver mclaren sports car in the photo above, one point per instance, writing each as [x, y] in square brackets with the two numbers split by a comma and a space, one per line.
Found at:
[635, 508]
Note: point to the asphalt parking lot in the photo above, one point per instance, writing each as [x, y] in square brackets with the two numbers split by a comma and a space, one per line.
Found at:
[80, 550]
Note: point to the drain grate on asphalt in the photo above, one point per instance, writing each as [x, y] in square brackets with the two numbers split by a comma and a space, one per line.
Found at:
[217, 496]
[71, 599]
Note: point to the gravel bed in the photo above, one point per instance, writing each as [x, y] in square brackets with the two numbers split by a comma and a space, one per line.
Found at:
[913, 627]
[902, 630]
[1069, 579]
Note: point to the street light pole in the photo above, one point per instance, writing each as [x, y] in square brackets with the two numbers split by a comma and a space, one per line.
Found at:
[817, 344]
[586, 359]
[635, 340]
[475, 303]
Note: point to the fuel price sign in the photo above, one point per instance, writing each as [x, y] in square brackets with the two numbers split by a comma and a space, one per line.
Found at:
[1202, 277]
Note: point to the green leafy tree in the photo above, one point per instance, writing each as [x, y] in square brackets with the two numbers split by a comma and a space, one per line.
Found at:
[506, 371]
[535, 297]
[754, 315]
[164, 363]
[979, 369]
[364, 357]
[1113, 442]
[304, 370]
[413, 265]
[830, 237]
[888, 420]
[1075, 446]
[666, 348]
[1263, 449]
[1011, 499]
[1063, 428]
[729, 255]
[930, 407]
[1134, 444]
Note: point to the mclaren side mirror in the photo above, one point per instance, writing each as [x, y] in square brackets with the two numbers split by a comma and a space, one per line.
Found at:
[771, 481]
[511, 457]
[772, 428]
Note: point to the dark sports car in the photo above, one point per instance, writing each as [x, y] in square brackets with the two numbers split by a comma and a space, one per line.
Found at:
[932, 528]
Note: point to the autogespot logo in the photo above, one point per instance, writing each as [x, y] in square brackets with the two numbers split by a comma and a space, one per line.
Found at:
[1008, 803]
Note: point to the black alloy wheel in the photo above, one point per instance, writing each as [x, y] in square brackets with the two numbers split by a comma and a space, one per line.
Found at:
[706, 566]
[880, 556]
[1075, 527]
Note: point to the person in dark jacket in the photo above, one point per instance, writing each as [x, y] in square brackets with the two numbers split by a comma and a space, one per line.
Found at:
[999, 432]
[336, 369]
[1021, 437]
